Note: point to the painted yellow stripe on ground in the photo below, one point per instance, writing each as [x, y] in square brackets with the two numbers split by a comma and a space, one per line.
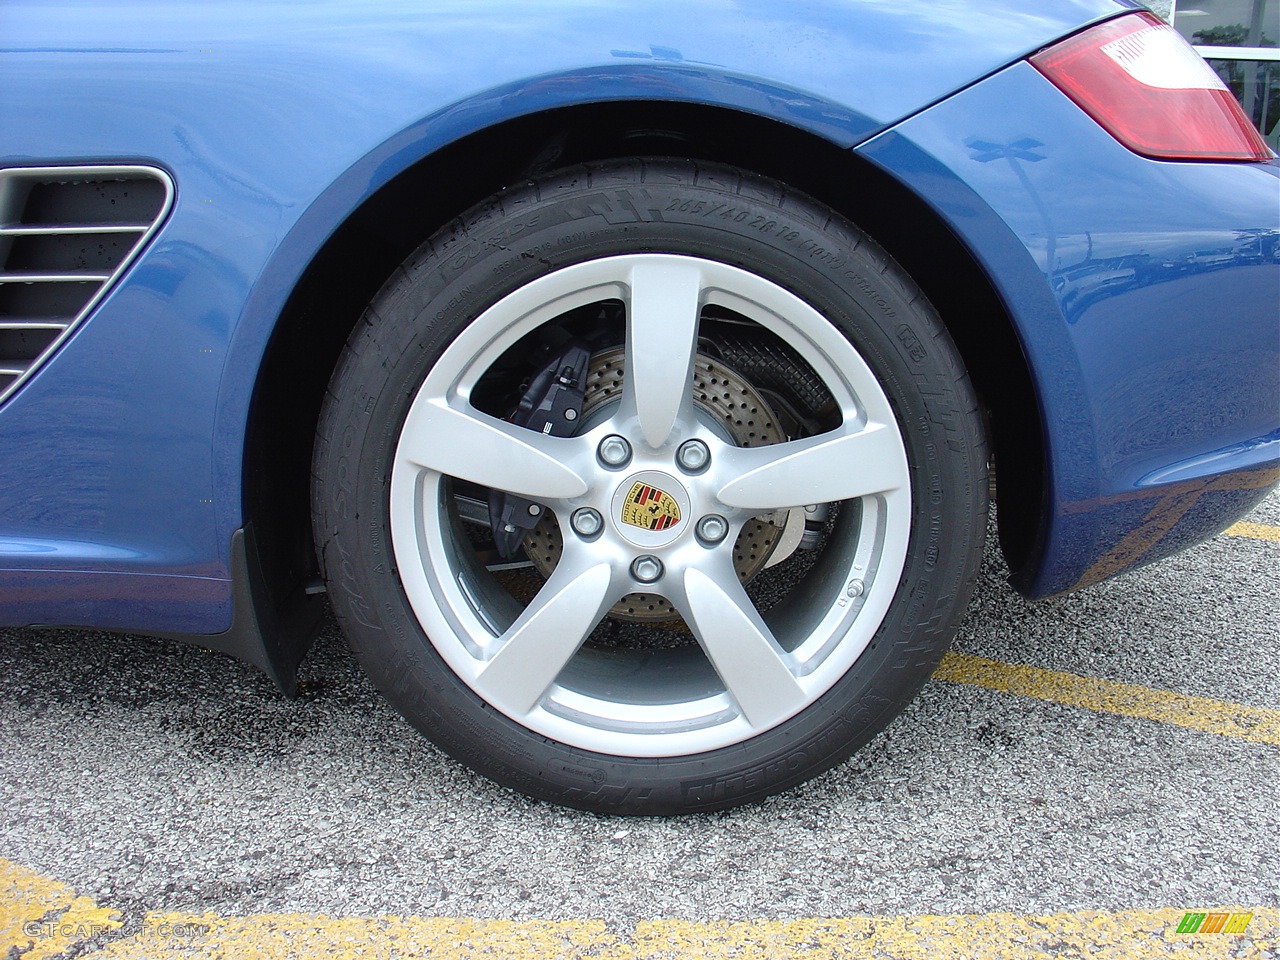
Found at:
[1008, 936]
[56, 920]
[41, 918]
[1108, 696]
[1254, 531]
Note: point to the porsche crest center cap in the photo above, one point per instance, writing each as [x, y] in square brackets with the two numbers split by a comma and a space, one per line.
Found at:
[650, 507]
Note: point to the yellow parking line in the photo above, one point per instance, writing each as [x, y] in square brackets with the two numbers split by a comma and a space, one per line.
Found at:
[1108, 696]
[1253, 531]
[40, 917]
[1009, 936]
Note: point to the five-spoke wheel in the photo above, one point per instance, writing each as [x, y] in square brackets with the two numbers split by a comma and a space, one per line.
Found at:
[667, 492]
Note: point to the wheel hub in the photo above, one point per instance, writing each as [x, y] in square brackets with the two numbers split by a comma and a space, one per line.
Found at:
[728, 399]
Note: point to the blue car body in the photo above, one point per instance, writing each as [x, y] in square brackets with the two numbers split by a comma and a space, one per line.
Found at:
[1119, 313]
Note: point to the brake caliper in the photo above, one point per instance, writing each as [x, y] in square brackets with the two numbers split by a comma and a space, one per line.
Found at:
[551, 405]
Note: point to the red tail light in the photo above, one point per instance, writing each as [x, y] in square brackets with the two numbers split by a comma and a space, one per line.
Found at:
[1145, 85]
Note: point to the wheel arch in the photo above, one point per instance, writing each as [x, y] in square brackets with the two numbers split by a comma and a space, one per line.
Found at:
[366, 248]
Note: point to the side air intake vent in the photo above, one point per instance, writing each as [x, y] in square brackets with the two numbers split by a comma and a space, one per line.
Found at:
[66, 235]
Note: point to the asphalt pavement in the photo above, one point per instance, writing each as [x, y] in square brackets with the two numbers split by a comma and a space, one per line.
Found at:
[154, 777]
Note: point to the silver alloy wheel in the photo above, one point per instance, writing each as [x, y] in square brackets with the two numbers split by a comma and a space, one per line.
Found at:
[750, 671]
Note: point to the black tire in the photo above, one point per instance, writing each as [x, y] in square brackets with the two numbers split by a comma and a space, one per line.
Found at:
[711, 215]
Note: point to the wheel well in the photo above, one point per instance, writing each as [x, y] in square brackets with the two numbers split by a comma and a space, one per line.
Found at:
[365, 250]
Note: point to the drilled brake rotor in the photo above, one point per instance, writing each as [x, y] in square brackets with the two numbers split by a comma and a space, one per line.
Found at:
[730, 400]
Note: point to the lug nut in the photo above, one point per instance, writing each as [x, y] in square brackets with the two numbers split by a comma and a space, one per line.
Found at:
[614, 451]
[712, 529]
[586, 522]
[693, 455]
[646, 569]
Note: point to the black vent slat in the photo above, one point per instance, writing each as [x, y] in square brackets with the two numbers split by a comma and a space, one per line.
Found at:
[66, 234]
[76, 251]
[88, 200]
[64, 300]
[25, 346]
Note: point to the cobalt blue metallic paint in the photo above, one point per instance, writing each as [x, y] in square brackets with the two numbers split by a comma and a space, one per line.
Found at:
[123, 465]
[1147, 294]
[262, 112]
